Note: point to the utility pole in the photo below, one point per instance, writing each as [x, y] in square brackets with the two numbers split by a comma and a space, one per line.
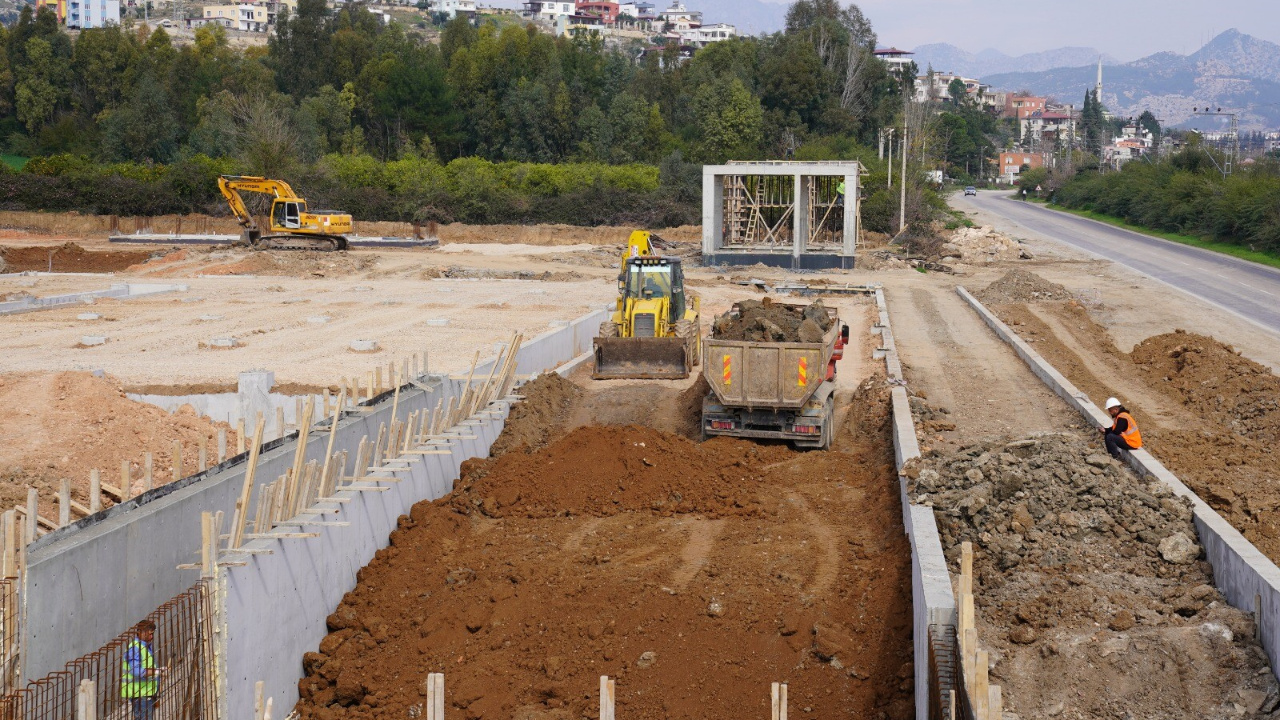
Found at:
[902, 209]
[890, 183]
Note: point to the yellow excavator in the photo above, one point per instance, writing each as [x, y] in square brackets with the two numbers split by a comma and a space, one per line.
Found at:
[291, 225]
[655, 331]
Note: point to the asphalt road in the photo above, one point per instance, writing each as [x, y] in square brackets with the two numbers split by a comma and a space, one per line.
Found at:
[1247, 289]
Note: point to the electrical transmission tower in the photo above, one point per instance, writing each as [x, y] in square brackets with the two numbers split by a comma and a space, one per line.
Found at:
[1231, 151]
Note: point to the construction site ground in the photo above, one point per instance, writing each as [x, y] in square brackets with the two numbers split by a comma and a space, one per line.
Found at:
[691, 602]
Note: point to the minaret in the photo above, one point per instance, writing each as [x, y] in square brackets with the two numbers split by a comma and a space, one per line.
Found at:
[1097, 90]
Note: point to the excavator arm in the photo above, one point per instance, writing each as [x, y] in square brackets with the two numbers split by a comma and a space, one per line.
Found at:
[231, 185]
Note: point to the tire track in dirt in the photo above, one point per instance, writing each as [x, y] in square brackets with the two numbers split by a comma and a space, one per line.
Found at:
[697, 550]
[827, 560]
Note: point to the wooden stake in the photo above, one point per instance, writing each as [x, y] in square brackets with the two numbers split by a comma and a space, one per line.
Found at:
[12, 539]
[126, 481]
[982, 695]
[333, 433]
[246, 490]
[87, 700]
[259, 703]
[95, 491]
[395, 403]
[64, 502]
[372, 391]
[147, 472]
[995, 703]
[222, 445]
[206, 559]
[240, 439]
[33, 510]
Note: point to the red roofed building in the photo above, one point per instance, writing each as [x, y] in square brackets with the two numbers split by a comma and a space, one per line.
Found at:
[897, 60]
[606, 11]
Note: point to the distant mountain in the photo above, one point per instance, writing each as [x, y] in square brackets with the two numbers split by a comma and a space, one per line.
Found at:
[949, 58]
[1234, 70]
[751, 17]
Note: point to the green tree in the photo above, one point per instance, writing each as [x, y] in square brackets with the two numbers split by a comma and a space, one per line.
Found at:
[730, 121]
[42, 84]
[143, 129]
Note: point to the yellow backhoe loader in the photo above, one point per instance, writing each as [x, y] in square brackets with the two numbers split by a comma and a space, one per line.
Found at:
[291, 226]
[655, 331]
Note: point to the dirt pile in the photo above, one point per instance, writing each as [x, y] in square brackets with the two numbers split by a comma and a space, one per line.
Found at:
[694, 607]
[455, 271]
[982, 245]
[648, 470]
[286, 263]
[69, 257]
[536, 419]
[1091, 595]
[1022, 286]
[62, 425]
[1214, 381]
[767, 321]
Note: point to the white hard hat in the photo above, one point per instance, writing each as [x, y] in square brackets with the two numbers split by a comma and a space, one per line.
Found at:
[1112, 402]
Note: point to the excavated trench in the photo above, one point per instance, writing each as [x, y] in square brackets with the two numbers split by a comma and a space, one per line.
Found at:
[600, 540]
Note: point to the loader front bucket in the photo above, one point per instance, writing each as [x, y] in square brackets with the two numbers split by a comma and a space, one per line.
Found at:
[665, 358]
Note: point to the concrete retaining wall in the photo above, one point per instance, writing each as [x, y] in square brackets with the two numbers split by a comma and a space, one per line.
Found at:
[1240, 570]
[91, 580]
[932, 599]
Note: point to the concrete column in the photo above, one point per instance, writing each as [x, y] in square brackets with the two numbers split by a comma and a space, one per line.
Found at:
[852, 212]
[254, 392]
[712, 210]
[799, 220]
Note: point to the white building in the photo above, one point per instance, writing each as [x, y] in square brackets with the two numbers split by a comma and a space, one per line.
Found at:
[680, 17]
[85, 14]
[549, 11]
[453, 8]
[251, 18]
[704, 35]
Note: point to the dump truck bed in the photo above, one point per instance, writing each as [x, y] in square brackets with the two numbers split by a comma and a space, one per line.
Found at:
[754, 374]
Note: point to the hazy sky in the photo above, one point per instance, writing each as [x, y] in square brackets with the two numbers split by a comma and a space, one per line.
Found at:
[1125, 29]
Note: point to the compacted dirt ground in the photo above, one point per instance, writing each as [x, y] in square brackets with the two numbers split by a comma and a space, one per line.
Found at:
[695, 574]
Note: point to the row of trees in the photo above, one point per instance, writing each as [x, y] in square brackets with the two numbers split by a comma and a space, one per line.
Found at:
[159, 119]
[344, 82]
[1187, 194]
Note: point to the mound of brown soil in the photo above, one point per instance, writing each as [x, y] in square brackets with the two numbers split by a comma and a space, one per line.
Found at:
[1213, 380]
[693, 608]
[1022, 286]
[648, 470]
[766, 321]
[69, 257]
[63, 425]
[537, 418]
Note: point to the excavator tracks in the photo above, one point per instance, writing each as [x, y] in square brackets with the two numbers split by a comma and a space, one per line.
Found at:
[322, 243]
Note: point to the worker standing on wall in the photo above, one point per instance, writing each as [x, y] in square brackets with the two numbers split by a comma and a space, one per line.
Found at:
[139, 677]
[840, 193]
[1123, 433]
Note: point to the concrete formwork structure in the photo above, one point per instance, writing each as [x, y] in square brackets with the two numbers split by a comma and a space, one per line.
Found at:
[781, 213]
[88, 581]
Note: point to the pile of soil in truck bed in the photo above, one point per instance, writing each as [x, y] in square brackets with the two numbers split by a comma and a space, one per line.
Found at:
[766, 321]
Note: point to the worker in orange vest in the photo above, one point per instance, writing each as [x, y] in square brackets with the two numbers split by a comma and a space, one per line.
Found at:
[1123, 433]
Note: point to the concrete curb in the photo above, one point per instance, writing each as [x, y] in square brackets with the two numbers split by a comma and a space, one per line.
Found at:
[932, 600]
[1249, 580]
[117, 290]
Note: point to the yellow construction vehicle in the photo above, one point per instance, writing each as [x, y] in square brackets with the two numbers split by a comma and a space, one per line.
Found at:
[655, 330]
[291, 226]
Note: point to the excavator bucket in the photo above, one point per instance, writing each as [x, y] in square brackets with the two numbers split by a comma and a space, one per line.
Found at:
[645, 358]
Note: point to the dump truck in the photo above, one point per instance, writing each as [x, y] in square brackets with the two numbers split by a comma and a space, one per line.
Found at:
[773, 390]
[290, 225]
[655, 331]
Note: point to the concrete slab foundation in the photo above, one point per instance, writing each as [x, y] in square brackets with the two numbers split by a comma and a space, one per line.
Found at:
[117, 290]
